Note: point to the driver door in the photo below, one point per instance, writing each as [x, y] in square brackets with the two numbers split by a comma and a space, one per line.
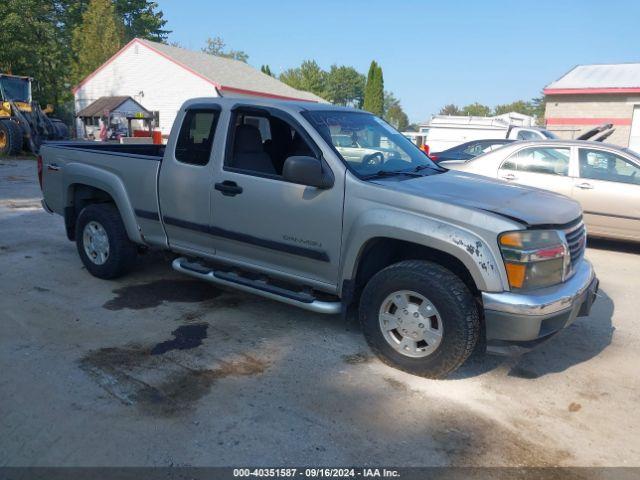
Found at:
[263, 220]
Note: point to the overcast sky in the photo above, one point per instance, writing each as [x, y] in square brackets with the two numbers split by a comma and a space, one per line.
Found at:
[432, 52]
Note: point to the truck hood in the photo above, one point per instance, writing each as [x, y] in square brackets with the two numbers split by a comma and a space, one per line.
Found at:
[528, 205]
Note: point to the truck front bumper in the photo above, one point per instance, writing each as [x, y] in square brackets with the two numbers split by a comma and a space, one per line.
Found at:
[520, 321]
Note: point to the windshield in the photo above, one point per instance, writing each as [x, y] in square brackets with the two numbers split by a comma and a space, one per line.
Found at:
[15, 89]
[367, 144]
[549, 134]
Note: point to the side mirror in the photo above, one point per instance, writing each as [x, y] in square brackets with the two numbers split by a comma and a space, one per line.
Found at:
[307, 171]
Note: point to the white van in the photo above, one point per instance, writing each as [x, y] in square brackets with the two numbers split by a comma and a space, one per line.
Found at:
[447, 131]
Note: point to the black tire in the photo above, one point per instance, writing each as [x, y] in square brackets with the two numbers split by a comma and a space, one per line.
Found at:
[10, 138]
[61, 131]
[448, 294]
[122, 251]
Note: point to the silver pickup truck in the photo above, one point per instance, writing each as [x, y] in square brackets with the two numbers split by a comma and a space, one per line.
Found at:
[268, 197]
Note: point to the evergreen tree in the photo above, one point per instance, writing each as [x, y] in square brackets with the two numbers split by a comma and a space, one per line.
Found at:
[96, 39]
[141, 19]
[266, 70]
[374, 90]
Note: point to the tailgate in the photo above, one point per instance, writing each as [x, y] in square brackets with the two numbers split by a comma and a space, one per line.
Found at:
[53, 161]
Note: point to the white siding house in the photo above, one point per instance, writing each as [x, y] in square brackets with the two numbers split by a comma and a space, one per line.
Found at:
[161, 77]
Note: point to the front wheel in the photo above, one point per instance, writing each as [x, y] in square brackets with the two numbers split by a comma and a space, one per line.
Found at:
[102, 242]
[419, 317]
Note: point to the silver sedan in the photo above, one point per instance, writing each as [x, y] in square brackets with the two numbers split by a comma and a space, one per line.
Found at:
[604, 178]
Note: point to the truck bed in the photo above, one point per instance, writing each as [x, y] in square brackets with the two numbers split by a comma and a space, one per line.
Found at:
[146, 150]
[127, 173]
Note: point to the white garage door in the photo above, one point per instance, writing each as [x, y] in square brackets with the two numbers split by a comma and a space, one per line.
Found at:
[634, 138]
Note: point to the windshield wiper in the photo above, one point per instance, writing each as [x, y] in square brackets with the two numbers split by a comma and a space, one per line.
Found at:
[422, 167]
[390, 173]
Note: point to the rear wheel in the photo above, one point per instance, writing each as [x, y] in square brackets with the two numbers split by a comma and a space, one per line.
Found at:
[419, 317]
[102, 242]
[10, 138]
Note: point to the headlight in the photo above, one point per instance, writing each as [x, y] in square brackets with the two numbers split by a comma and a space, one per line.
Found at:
[534, 258]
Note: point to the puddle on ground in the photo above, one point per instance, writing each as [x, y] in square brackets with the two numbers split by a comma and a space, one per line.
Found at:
[152, 294]
[159, 384]
[186, 337]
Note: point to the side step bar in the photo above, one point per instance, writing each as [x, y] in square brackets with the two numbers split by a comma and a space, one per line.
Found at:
[258, 287]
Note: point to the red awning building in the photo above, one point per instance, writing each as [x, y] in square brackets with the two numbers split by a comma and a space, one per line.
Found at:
[590, 95]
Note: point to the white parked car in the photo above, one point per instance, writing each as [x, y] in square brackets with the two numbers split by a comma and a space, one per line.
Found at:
[604, 178]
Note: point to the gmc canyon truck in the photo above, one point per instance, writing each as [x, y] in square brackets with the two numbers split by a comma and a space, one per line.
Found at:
[264, 196]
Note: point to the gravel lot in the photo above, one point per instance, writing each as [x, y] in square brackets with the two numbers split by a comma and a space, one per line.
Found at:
[91, 374]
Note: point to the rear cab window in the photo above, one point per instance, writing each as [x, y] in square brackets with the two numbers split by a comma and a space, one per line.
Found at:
[196, 136]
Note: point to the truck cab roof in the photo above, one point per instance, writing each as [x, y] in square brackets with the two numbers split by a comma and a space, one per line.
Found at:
[291, 105]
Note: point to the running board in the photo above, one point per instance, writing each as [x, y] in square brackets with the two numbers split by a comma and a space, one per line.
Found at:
[258, 287]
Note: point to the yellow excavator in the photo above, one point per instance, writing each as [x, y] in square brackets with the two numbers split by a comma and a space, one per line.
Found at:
[24, 125]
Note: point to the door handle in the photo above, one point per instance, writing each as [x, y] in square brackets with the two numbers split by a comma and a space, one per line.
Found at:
[509, 176]
[53, 167]
[585, 186]
[228, 188]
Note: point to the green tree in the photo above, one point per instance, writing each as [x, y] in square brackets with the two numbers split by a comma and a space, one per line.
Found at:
[34, 42]
[476, 110]
[344, 86]
[519, 106]
[37, 39]
[393, 112]
[396, 117]
[96, 39]
[538, 107]
[266, 70]
[450, 109]
[308, 77]
[374, 90]
[141, 19]
[389, 100]
[216, 46]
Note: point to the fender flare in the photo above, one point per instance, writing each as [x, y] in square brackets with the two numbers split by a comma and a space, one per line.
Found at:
[89, 175]
[474, 253]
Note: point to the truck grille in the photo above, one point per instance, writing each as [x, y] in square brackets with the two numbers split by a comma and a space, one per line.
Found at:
[577, 240]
